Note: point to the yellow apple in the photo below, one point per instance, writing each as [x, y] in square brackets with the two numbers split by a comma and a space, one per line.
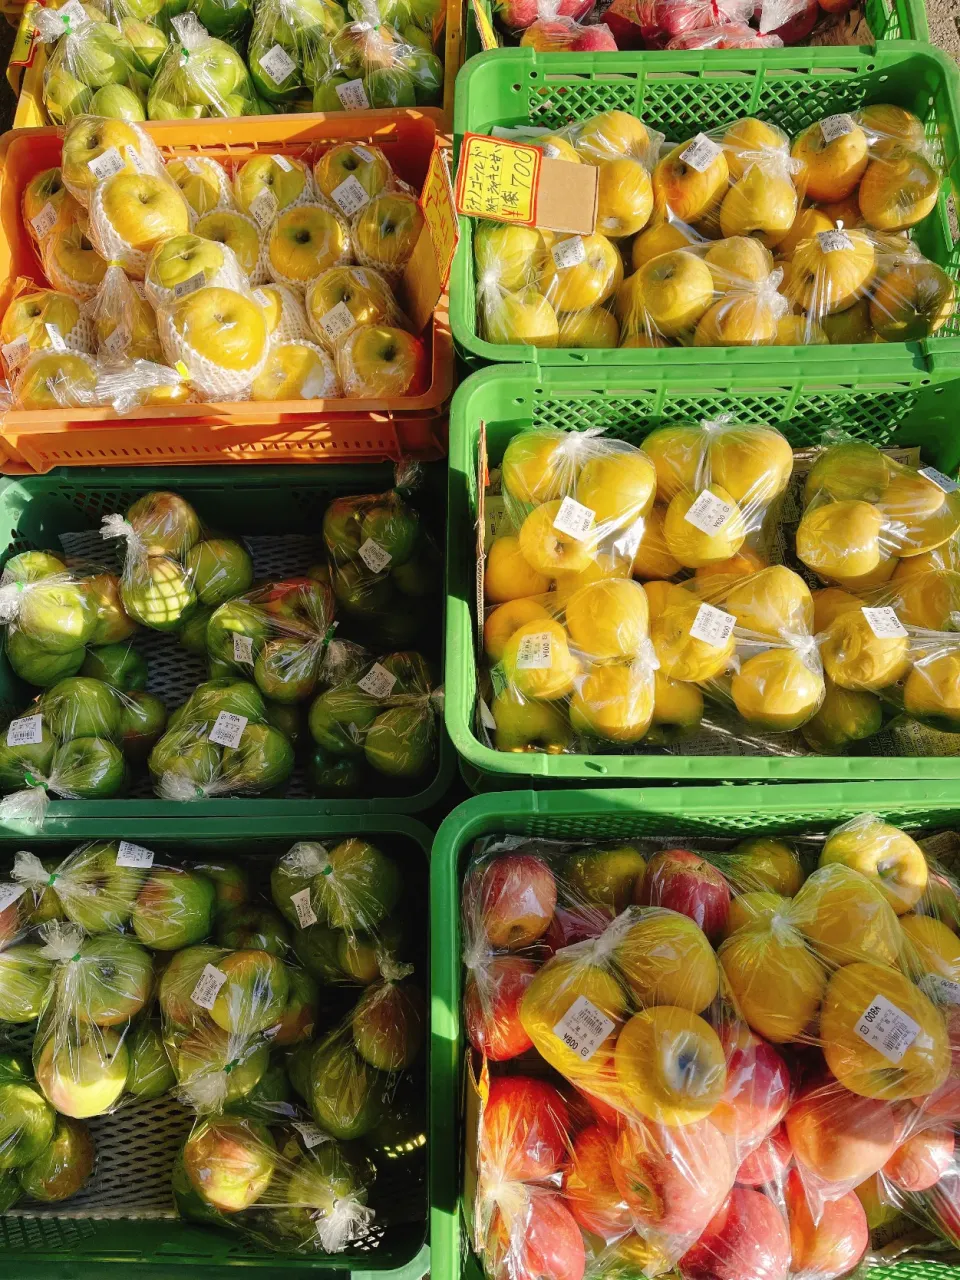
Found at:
[29, 314]
[70, 261]
[653, 558]
[608, 619]
[931, 947]
[855, 658]
[823, 279]
[507, 576]
[238, 232]
[688, 543]
[203, 183]
[799, 331]
[777, 689]
[829, 603]
[387, 229]
[931, 691]
[657, 239]
[594, 327]
[305, 241]
[885, 855]
[286, 182]
[368, 165]
[284, 313]
[378, 361]
[46, 198]
[506, 256]
[775, 978]
[763, 863]
[124, 308]
[845, 716]
[614, 701]
[87, 138]
[587, 283]
[832, 169]
[738, 320]
[537, 466]
[550, 551]
[624, 197]
[912, 301]
[556, 147]
[677, 710]
[737, 262]
[670, 1065]
[612, 134]
[57, 380]
[898, 190]
[773, 601]
[180, 258]
[546, 1001]
[296, 371]
[763, 203]
[668, 295]
[599, 570]
[681, 655]
[528, 726]
[749, 136]
[525, 318]
[845, 918]
[221, 336]
[504, 620]
[549, 681]
[684, 192]
[676, 454]
[666, 959]
[805, 226]
[131, 213]
[619, 487]
[753, 463]
[364, 293]
[884, 122]
[840, 540]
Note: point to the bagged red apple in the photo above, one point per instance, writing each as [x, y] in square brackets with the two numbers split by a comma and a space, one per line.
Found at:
[732, 35]
[663, 20]
[555, 29]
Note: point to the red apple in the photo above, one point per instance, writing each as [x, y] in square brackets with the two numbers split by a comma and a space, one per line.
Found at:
[758, 1088]
[803, 18]
[597, 38]
[525, 1127]
[746, 1239]
[837, 6]
[684, 882]
[673, 1180]
[575, 924]
[491, 1006]
[943, 1203]
[11, 924]
[768, 1162]
[549, 36]
[519, 14]
[834, 1244]
[515, 897]
[922, 1160]
[944, 1103]
[541, 1241]
[621, 18]
[589, 1190]
[840, 1136]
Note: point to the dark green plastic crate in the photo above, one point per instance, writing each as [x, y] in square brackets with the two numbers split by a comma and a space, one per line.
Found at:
[727, 812]
[684, 93]
[270, 501]
[129, 1229]
[628, 404]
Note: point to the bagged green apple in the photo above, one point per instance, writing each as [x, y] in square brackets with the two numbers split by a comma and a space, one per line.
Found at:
[220, 742]
[49, 619]
[295, 1190]
[368, 63]
[288, 46]
[278, 634]
[343, 299]
[182, 264]
[93, 68]
[52, 381]
[200, 76]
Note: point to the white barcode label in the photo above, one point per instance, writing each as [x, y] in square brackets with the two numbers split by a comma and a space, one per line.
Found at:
[10, 893]
[186, 287]
[137, 161]
[278, 64]
[834, 127]
[56, 337]
[583, 1028]
[535, 652]
[701, 153]
[45, 220]
[350, 196]
[939, 479]
[284, 163]
[311, 1134]
[574, 519]
[569, 253]
[208, 988]
[352, 96]
[17, 351]
[363, 154]
[884, 623]
[550, 150]
[242, 648]
[713, 626]
[940, 989]
[72, 14]
[228, 729]
[134, 855]
[337, 321]
[831, 241]
[486, 716]
[115, 342]
[263, 207]
[887, 1028]
[106, 164]
[306, 916]
[27, 731]
[709, 513]
[374, 556]
[193, 167]
[378, 682]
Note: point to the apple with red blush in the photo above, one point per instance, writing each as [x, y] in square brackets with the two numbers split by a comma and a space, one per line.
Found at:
[944, 1102]
[672, 1178]
[758, 1088]
[683, 881]
[524, 1129]
[589, 1189]
[798, 26]
[833, 1244]
[491, 1006]
[840, 1136]
[575, 924]
[596, 38]
[514, 898]
[746, 1239]
[768, 1162]
[922, 1160]
[538, 1240]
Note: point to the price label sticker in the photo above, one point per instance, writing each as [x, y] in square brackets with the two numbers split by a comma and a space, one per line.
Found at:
[941, 990]
[116, 342]
[834, 127]
[278, 64]
[363, 154]
[486, 716]
[242, 648]
[353, 96]
[193, 166]
[186, 287]
[701, 153]
[311, 1134]
[263, 208]
[350, 196]
[709, 513]
[374, 556]
[284, 163]
[56, 337]
[378, 682]
[831, 241]
[550, 150]
[574, 519]
[887, 1028]
[939, 479]
[713, 626]
[228, 729]
[10, 893]
[535, 652]
[45, 220]
[137, 161]
[337, 321]
[25, 732]
[134, 855]
[208, 988]
[569, 253]
[583, 1028]
[498, 179]
[884, 623]
[16, 352]
[106, 164]
[306, 916]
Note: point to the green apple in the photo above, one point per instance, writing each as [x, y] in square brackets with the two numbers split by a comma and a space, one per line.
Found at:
[299, 1069]
[220, 568]
[230, 1162]
[82, 707]
[390, 87]
[393, 524]
[254, 995]
[357, 888]
[325, 96]
[193, 633]
[47, 905]
[59, 615]
[426, 13]
[61, 1169]
[359, 954]
[64, 96]
[388, 1022]
[286, 669]
[340, 717]
[335, 777]
[420, 576]
[151, 1074]
[25, 974]
[214, 72]
[412, 670]
[107, 57]
[161, 108]
[180, 754]
[286, 717]
[293, 873]
[165, 522]
[253, 929]
[228, 694]
[162, 595]
[34, 758]
[177, 983]
[10, 1191]
[300, 1014]
[88, 769]
[224, 18]
[319, 1182]
[401, 742]
[109, 981]
[395, 13]
[147, 41]
[113, 624]
[179, 259]
[31, 566]
[84, 1071]
[237, 618]
[117, 102]
[36, 664]
[341, 528]
[174, 909]
[346, 1093]
[262, 173]
[417, 38]
[118, 665]
[140, 82]
[426, 71]
[204, 1056]
[316, 949]
[142, 718]
[189, 1204]
[263, 760]
[230, 883]
[270, 30]
[268, 1100]
[96, 894]
[360, 591]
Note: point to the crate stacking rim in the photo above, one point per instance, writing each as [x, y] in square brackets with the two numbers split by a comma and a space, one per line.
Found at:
[726, 812]
[281, 515]
[628, 404]
[684, 93]
[256, 432]
[125, 1217]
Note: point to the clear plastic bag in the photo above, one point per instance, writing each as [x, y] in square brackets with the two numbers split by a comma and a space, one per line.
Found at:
[92, 67]
[344, 299]
[304, 241]
[370, 63]
[70, 262]
[128, 241]
[731, 35]
[199, 76]
[24, 330]
[96, 148]
[42, 1155]
[288, 47]
[181, 264]
[663, 20]
[203, 182]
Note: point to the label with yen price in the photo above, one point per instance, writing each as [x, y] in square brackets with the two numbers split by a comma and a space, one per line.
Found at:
[306, 916]
[583, 1028]
[701, 153]
[27, 731]
[45, 220]
[350, 196]
[569, 253]
[106, 164]
[378, 682]
[374, 556]
[709, 513]
[535, 653]
[133, 855]
[278, 64]
[208, 987]
[337, 321]
[887, 1028]
[242, 648]
[831, 241]
[713, 626]
[228, 729]
[834, 127]
[884, 623]
[574, 519]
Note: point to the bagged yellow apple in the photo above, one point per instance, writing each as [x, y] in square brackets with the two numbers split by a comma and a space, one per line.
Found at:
[52, 380]
[298, 1190]
[304, 241]
[286, 317]
[132, 213]
[204, 184]
[70, 262]
[220, 337]
[96, 148]
[343, 299]
[89, 55]
[42, 320]
[181, 264]
[268, 183]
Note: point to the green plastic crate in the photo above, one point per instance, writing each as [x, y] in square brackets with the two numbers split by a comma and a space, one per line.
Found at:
[628, 404]
[124, 1223]
[689, 91]
[604, 815]
[263, 502]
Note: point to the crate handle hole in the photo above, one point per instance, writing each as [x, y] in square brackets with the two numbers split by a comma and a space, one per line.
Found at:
[596, 766]
[516, 88]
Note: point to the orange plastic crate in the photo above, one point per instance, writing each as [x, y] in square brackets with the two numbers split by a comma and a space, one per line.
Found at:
[293, 431]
